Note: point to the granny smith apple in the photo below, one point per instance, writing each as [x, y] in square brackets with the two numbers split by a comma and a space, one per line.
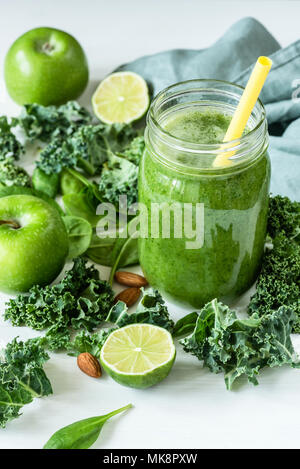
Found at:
[33, 243]
[45, 66]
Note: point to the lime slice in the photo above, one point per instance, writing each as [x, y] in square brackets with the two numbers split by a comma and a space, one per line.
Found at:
[138, 355]
[121, 97]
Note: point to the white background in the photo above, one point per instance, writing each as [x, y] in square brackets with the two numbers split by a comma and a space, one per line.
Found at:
[191, 408]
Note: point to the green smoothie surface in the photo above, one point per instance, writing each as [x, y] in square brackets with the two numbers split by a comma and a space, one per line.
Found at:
[195, 126]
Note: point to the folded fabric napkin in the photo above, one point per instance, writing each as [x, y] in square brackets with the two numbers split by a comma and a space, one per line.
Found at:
[231, 58]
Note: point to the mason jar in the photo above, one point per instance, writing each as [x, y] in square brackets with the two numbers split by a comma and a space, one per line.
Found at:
[217, 213]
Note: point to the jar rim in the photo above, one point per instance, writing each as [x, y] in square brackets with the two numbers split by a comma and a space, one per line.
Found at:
[187, 146]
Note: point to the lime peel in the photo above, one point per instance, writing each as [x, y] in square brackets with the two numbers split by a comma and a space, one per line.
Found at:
[122, 97]
[138, 355]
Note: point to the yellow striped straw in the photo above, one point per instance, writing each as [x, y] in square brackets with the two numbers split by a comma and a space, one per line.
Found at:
[245, 107]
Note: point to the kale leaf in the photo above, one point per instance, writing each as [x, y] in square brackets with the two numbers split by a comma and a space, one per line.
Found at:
[57, 337]
[240, 347]
[85, 342]
[120, 174]
[135, 150]
[283, 217]
[80, 300]
[120, 177]
[56, 156]
[87, 148]
[116, 137]
[47, 122]
[185, 325]
[278, 282]
[151, 310]
[9, 145]
[22, 377]
[13, 175]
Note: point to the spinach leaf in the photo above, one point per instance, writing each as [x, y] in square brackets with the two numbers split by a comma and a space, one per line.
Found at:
[80, 234]
[69, 183]
[46, 183]
[241, 347]
[81, 434]
[22, 377]
[101, 250]
[125, 252]
[82, 205]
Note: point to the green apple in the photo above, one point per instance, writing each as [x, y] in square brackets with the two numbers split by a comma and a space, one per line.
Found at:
[33, 243]
[45, 66]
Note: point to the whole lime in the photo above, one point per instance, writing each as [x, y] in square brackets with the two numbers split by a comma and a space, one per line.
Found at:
[45, 66]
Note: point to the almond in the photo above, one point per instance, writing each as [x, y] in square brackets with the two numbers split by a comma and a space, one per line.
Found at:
[129, 296]
[130, 280]
[89, 364]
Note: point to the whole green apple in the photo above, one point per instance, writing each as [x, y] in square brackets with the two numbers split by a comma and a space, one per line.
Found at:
[45, 66]
[33, 243]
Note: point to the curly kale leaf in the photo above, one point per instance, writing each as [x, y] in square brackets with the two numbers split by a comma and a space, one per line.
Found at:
[13, 175]
[87, 148]
[22, 377]
[56, 156]
[151, 310]
[185, 325]
[278, 283]
[283, 217]
[9, 145]
[48, 122]
[116, 137]
[81, 299]
[120, 177]
[57, 337]
[239, 347]
[135, 150]
[92, 343]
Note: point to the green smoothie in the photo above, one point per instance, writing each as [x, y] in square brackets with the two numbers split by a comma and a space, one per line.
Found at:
[235, 209]
[198, 126]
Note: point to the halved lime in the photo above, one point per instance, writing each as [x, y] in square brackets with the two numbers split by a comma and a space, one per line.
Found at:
[121, 97]
[138, 355]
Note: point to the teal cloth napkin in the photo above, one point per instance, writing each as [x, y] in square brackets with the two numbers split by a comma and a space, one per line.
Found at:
[232, 58]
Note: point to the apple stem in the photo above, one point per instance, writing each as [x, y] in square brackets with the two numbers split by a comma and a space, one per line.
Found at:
[13, 223]
[47, 48]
